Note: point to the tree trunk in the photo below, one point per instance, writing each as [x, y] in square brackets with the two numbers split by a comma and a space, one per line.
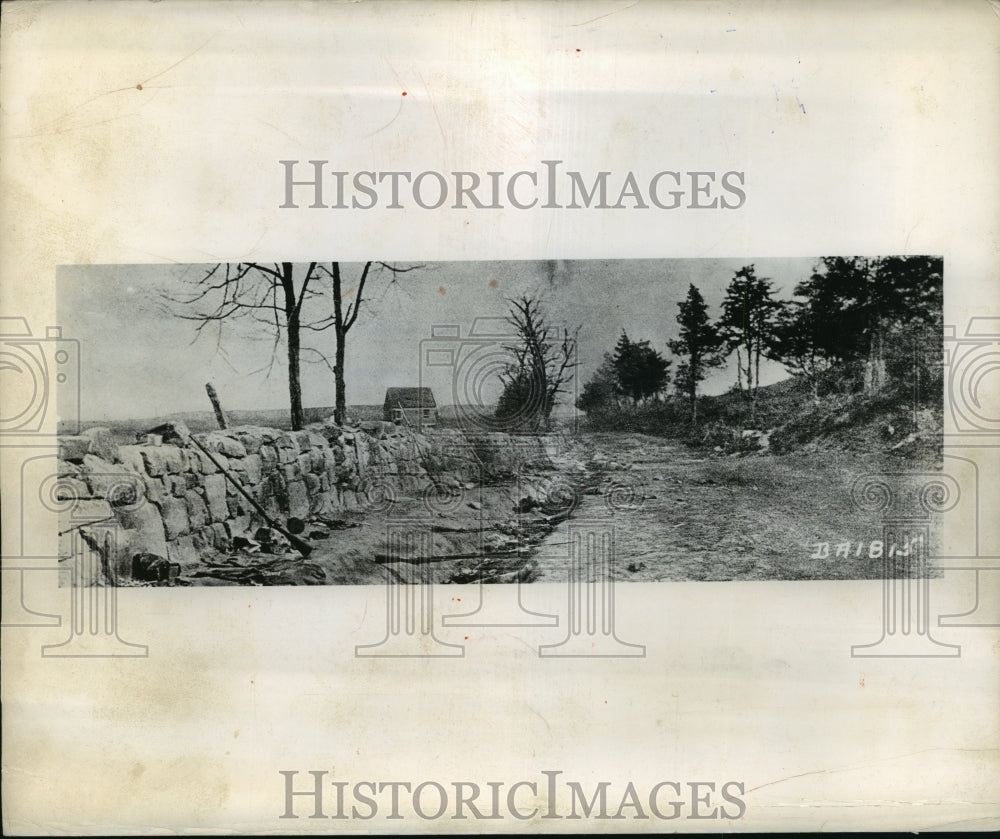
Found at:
[292, 328]
[340, 329]
[340, 409]
[756, 384]
[294, 385]
[875, 366]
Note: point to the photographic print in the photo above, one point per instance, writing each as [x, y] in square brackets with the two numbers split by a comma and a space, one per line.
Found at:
[466, 418]
[724, 415]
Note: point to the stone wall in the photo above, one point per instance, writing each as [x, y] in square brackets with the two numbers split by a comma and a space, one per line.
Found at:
[175, 501]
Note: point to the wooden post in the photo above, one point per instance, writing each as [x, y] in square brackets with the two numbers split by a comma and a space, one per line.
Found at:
[220, 415]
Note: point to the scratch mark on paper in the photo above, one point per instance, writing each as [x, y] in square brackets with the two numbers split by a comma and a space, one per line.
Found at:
[430, 99]
[141, 86]
[285, 133]
[181, 60]
[540, 716]
[67, 130]
[145, 82]
[399, 108]
[608, 14]
[863, 765]
[395, 116]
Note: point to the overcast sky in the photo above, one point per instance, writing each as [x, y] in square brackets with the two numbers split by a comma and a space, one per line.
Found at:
[139, 361]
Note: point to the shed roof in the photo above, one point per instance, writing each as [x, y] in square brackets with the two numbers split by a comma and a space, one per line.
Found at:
[409, 397]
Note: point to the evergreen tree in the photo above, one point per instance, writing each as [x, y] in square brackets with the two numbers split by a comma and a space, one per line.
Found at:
[601, 392]
[749, 317]
[798, 341]
[699, 345]
[867, 300]
[640, 370]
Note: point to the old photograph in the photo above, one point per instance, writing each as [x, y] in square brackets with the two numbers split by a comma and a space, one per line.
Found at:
[469, 418]
[331, 423]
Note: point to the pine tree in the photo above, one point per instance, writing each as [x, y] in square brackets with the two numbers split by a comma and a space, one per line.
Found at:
[640, 370]
[699, 345]
[749, 317]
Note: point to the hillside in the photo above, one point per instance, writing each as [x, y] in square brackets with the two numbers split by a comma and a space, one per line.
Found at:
[787, 418]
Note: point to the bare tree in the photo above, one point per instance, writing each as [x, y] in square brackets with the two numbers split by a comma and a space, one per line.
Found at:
[271, 295]
[542, 360]
[286, 299]
[344, 317]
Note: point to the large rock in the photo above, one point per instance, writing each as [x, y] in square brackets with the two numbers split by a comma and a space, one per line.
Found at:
[378, 428]
[208, 467]
[71, 489]
[316, 440]
[151, 568]
[251, 438]
[73, 448]
[131, 457]
[113, 481]
[287, 447]
[212, 537]
[220, 537]
[298, 500]
[183, 552]
[196, 510]
[175, 517]
[217, 441]
[145, 529]
[253, 465]
[102, 444]
[237, 505]
[87, 510]
[164, 460]
[156, 490]
[313, 485]
[215, 495]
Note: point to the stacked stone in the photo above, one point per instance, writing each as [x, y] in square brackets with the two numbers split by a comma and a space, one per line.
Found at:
[186, 504]
[181, 504]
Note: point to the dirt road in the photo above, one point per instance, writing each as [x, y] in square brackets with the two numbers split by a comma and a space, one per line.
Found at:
[682, 515]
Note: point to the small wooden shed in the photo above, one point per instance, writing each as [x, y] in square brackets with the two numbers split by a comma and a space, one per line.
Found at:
[410, 406]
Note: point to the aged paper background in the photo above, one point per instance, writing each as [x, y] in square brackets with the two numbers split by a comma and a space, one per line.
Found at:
[150, 133]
